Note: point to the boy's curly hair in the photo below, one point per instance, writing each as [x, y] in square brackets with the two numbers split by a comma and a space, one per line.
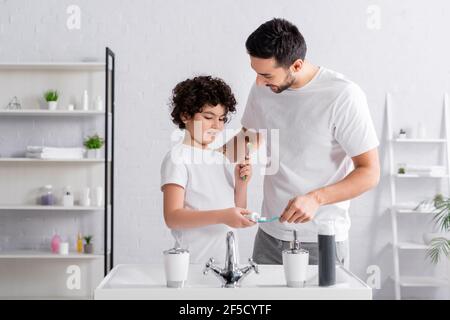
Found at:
[191, 95]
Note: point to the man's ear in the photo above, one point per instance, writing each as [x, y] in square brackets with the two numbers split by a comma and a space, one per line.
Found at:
[297, 65]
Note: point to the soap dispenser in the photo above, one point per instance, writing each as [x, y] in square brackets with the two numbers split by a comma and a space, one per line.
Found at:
[295, 263]
[67, 197]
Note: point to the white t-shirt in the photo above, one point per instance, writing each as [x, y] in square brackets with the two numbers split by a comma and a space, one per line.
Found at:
[321, 126]
[208, 181]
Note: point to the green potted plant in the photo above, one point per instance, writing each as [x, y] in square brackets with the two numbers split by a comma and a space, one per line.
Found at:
[401, 168]
[439, 242]
[93, 144]
[51, 96]
[88, 245]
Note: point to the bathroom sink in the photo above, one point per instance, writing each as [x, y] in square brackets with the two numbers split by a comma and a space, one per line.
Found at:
[147, 281]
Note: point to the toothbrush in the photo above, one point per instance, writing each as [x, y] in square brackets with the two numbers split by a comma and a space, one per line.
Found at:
[255, 216]
[266, 219]
[247, 152]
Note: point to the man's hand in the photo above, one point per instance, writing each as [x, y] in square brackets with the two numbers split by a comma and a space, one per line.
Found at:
[300, 209]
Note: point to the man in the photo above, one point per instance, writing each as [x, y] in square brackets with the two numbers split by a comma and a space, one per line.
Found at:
[327, 143]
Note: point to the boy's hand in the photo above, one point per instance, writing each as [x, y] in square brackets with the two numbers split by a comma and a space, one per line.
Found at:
[234, 217]
[243, 172]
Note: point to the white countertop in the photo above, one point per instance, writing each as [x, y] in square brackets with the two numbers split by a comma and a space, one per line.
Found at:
[147, 281]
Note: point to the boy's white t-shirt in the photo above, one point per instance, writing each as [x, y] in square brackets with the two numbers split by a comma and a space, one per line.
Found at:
[208, 181]
[321, 126]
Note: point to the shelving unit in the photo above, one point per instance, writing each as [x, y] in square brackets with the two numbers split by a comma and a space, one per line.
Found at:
[21, 175]
[397, 208]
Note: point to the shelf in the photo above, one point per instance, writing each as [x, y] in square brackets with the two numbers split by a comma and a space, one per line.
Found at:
[404, 208]
[412, 246]
[42, 112]
[40, 254]
[406, 175]
[406, 281]
[419, 140]
[49, 208]
[52, 160]
[81, 66]
[411, 211]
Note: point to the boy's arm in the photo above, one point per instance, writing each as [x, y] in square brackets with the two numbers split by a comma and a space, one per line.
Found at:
[178, 217]
[240, 194]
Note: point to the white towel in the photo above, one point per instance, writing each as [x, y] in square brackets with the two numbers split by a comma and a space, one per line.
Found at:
[37, 155]
[38, 149]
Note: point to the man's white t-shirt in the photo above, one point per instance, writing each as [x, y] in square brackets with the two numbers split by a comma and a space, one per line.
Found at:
[321, 126]
[208, 181]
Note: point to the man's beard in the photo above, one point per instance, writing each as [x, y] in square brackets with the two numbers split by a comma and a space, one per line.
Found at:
[290, 79]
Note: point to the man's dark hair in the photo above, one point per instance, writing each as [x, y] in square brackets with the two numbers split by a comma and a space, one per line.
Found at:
[191, 95]
[279, 39]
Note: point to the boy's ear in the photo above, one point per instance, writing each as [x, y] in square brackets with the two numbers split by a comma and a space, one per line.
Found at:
[184, 117]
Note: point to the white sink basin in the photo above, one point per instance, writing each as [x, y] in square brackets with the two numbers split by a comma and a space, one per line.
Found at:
[147, 281]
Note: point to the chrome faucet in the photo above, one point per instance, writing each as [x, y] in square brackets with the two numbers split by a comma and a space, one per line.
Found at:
[230, 276]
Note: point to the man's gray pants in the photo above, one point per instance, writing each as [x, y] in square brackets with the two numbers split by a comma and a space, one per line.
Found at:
[268, 250]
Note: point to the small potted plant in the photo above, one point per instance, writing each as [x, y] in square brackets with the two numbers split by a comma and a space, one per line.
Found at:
[401, 168]
[51, 96]
[402, 134]
[88, 245]
[93, 145]
[439, 242]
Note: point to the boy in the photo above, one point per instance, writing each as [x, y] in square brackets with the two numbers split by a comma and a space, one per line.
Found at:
[202, 199]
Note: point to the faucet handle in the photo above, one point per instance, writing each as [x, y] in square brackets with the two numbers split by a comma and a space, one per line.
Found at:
[253, 265]
[208, 265]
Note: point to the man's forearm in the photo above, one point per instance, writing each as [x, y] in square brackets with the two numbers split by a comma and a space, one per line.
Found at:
[357, 182]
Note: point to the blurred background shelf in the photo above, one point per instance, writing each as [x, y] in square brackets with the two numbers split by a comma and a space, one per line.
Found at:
[41, 254]
[50, 113]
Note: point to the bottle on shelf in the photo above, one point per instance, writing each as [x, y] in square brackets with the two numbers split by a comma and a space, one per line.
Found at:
[79, 243]
[47, 197]
[56, 240]
[67, 197]
[85, 101]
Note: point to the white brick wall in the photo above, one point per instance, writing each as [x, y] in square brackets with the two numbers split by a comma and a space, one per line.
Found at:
[159, 43]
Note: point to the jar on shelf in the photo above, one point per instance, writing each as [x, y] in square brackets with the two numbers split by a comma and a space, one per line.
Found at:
[47, 197]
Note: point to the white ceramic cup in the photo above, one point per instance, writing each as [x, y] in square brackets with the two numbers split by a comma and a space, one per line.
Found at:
[85, 199]
[98, 196]
[295, 267]
[176, 267]
[63, 248]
